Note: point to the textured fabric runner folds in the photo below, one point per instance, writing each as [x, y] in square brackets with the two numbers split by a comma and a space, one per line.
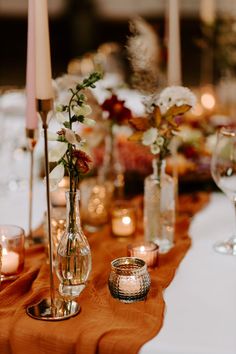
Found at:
[104, 325]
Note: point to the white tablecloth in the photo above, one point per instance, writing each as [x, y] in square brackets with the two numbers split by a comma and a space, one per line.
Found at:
[200, 302]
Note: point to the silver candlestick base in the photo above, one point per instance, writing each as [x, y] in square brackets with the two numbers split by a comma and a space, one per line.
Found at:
[62, 310]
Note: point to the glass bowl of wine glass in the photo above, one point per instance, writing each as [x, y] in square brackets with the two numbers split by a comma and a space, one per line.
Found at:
[223, 170]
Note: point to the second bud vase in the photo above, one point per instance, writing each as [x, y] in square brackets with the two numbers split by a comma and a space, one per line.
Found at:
[159, 207]
[73, 260]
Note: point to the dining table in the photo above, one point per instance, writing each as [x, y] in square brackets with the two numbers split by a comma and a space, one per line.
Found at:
[200, 301]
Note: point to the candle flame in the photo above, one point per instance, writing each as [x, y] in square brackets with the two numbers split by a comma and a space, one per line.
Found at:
[208, 101]
[126, 220]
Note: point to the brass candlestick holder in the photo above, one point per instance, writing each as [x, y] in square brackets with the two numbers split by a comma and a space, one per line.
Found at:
[31, 135]
[51, 309]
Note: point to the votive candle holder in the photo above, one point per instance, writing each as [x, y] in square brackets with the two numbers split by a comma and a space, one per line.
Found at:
[123, 219]
[12, 240]
[147, 251]
[129, 280]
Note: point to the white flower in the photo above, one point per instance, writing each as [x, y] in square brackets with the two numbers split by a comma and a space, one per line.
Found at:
[160, 141]
[61, 118]
[70, 136]
[60, 108]
[52, 136]
[155, 149]
[55, 177]
[175, 95]
[57, 152]
[88, 121]
[149, 136]
[83, 110]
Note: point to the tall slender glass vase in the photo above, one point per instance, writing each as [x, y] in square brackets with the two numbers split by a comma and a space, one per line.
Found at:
[73, 260]
[97, 193]
[159, 207]
[112, 169]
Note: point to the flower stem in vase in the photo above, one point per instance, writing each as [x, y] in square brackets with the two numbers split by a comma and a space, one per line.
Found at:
[73, 256]
[159, 207]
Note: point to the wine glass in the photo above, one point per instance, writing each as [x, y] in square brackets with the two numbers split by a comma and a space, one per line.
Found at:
[223, 170]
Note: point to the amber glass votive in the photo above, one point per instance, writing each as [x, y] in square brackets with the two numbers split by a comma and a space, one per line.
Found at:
[147, 251]
[12, 240]
[129, 280]
[123, 219]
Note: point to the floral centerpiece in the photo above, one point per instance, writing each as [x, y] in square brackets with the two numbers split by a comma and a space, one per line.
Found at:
[157, 131]
[161, 125]
[73, 261]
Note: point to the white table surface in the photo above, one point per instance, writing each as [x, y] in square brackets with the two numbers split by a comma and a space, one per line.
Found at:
[201, 300]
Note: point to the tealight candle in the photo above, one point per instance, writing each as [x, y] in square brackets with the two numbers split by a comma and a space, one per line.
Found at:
[58, 197]
[10, 262]
[12, 242]
[147, 251]
[123, 220]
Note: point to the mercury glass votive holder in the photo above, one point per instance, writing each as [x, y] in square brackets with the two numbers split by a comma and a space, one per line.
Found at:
[12, 240]
[123, 219]
[147, 251]
[95, 203]
[129, 280]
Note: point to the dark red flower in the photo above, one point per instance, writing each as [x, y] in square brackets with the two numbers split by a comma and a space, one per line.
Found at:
[82, 161]
[116, 109]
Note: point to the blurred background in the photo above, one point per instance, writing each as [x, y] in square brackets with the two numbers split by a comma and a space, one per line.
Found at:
[80, 26]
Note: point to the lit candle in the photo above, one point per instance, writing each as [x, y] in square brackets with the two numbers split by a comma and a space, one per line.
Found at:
[147, 251]
[174, 53]
[129, 284]
[123, 221]
[10, 262]
[58, 197]
[208, 100]
[31, 113]
[207, 11]
[42, 47]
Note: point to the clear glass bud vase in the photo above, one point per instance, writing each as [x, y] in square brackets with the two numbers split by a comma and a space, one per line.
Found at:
[73, 260]
[112, 170]
[159, 207]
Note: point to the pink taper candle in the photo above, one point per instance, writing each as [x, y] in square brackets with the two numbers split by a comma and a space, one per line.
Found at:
[174, 50]
[43, 59]
[31, 113]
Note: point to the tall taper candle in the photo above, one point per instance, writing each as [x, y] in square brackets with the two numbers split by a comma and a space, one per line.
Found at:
[43, 58]
[174, 51]
[207, 11]
[31, 113]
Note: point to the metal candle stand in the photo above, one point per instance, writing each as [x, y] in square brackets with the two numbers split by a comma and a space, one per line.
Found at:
[51, 309]
[31, 135]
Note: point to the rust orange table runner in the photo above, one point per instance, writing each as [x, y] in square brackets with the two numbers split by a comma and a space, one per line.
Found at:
[104, 325]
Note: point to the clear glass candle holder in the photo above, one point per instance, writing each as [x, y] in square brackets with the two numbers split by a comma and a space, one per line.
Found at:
[123, 219]
[147, 251]
[129, 280]
[96, 199]
[12, 240]
[58, 198]
[58, 226]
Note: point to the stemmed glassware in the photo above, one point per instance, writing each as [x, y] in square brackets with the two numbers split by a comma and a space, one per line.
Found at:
[223, 170]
